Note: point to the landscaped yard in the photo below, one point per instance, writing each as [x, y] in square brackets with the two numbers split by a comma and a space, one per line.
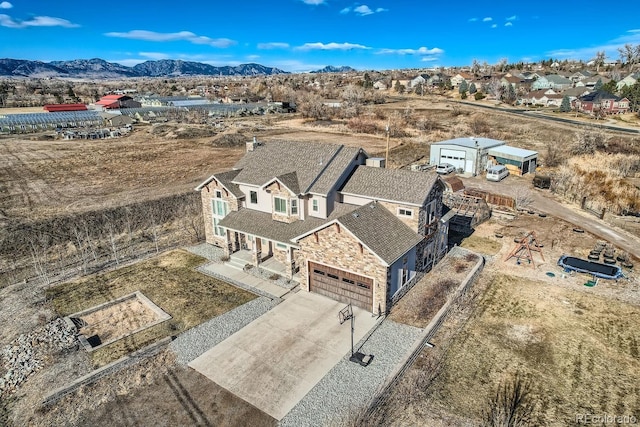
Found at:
[169, 280]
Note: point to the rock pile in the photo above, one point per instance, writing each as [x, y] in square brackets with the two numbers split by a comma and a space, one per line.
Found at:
[26, 354]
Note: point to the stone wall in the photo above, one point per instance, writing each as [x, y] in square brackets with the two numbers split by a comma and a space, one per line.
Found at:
[207, 194]
[278, 190]
[337, 247]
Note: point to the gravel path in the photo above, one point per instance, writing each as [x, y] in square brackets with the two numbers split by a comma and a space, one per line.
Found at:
[205, 250]
[196, 341]
[349, 386]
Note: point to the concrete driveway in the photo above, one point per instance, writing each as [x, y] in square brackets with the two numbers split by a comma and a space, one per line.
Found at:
[275, 360]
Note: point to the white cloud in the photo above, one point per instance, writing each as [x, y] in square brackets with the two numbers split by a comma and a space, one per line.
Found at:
[363, 10]
[423, 51]
[253, 57]
[273, 45]
[314, 2]
[5, 5]
[331, 46]
[429, 58]
[508, 24]
[511, 18]
[169, 37]
[473, 19]
[610, 48]
[36, 21]
[487, 19]
[154, 55]
[494, 26]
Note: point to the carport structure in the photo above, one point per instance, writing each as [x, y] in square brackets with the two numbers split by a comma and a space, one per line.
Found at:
[518, 160]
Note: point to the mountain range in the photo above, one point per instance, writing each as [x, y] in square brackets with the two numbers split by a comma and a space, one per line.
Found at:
[100, 69]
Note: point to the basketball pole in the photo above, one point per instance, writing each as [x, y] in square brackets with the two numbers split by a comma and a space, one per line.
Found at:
[352, 328]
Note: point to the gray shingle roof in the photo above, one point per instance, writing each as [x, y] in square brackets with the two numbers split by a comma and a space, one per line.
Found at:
[261, 224]
[225, 178]
[396, 185]
[291, 181]
[381, 231]
[316, 166]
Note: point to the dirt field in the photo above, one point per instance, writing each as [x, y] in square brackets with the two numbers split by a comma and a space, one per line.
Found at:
[577, 345]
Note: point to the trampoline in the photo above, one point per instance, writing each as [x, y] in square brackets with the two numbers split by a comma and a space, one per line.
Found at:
[603, 271]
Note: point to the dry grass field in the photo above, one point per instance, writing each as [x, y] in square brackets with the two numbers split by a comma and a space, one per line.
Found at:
[169, 281]
[579, 347]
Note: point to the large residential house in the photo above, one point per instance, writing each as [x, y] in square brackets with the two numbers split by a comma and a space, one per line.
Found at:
[460, 77]
[544, 97]
[591, 82]
[552, 81]
[629, 80]
[601, 102]
[330, 218]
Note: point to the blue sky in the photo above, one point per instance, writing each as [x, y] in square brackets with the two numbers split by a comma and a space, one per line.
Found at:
[302, 35]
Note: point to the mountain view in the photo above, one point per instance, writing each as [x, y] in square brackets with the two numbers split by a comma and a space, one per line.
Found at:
[101, 69]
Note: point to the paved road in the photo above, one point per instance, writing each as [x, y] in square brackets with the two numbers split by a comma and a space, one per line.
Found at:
[543, 202]
[542, 116]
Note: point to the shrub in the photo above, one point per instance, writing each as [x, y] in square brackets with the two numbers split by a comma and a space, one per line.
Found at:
[478, 96]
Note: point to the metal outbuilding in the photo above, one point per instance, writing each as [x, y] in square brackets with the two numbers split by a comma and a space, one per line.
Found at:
[467, 155]
[518, 160]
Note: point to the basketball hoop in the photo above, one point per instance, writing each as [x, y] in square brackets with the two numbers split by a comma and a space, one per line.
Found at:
[345, 314]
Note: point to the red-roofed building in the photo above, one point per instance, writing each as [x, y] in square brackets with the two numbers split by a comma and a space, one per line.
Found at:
[118, 101]
[54, 108]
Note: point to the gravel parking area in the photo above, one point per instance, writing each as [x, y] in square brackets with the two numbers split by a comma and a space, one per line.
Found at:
[196, 341]
[349, 386]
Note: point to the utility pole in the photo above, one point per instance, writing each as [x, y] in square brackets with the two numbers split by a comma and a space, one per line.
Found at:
[386, 157]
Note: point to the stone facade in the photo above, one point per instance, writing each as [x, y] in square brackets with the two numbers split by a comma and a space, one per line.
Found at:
[336, 247]
[278, 190]
[412, 221]
[208, 193]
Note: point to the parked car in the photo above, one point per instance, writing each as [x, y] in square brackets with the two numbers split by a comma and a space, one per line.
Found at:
[445, 168]
[497, 173]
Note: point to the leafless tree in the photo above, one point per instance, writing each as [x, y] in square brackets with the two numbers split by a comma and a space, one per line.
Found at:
[512, 404]
[599, 60]
[588, 141]
[523, 198]
[629, 55]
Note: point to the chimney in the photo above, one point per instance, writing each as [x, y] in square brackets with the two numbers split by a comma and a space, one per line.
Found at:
[251, 146]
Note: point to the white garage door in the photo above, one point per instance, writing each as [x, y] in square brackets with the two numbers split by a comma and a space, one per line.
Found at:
[454, 157]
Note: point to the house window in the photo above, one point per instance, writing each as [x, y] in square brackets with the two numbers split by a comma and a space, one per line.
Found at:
[220, 208]
[280, 205]
[218, 194]
[405, 212]
[281, 246]
[294, 206]
[253, 197]
[314, 205]
[431, 212]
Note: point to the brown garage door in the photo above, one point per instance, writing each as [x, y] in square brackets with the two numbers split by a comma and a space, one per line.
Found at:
[341, 285]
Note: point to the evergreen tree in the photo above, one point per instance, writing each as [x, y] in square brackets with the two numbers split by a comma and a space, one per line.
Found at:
[463, 87]
[598, 85]
[565, 107]
[472, 88]
[611, 86]
[509, 95]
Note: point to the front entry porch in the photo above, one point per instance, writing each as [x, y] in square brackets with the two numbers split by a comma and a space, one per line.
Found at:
[275, 257]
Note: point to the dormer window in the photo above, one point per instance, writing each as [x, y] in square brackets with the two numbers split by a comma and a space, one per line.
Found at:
[280, 205]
